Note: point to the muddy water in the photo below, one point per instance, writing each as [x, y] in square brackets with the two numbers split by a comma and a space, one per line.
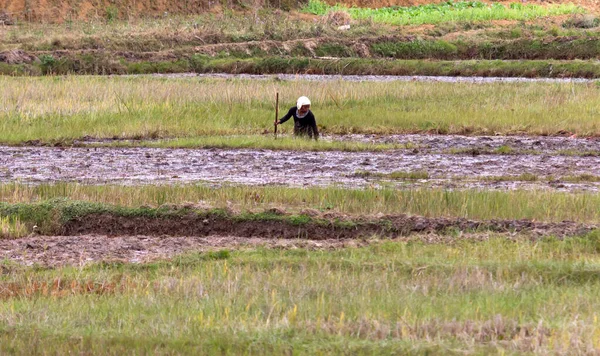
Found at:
[446, 143]
[374, 78]
[289, 168]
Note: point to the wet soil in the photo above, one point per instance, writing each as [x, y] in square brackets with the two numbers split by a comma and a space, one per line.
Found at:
[554, 145]
[323, 227]
[374, 78]
[109, 237]
[304, 169]
[16, 56]
[83, 249]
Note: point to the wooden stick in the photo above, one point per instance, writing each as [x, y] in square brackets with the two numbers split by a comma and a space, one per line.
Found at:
[276, 112]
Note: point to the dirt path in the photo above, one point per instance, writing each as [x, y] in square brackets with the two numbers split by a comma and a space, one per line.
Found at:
[291, 168]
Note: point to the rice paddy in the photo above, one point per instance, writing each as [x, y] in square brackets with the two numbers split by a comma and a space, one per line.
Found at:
[160, 214]
[69, 108]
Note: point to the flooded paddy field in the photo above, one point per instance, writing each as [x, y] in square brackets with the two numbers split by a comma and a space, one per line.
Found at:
[516, 159]
[438, 161]
[484, 144]
[431, 161]
[156, 214]
[374, 78]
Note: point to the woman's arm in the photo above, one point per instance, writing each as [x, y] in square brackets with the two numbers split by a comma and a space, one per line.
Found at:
[287, 116]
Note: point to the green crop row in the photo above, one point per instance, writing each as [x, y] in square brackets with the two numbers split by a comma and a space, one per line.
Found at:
[446, 11]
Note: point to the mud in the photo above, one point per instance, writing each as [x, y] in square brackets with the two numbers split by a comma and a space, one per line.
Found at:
[295, 168]
[375, 78]
[484, 144]
[81, 250]
[109, 237]
[320, 228]
[17, 56]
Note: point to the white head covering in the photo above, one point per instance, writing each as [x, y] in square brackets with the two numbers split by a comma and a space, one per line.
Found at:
[302, 101]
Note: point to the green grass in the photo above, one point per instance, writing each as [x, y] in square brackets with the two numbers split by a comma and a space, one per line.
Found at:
[393, 297]
[62, 109]
[50, 216]
[482, 61]
[446, 12]
[581, 178]
[12, 227]
[266, 141]
[400, 175]
[525, 177]
[528, 177]
[45, 203]
[560, 48]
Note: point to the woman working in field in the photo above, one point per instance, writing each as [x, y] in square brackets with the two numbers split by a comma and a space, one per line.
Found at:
[304, 120]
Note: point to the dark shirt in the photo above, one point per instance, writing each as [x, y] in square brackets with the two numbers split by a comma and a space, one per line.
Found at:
[305, 126]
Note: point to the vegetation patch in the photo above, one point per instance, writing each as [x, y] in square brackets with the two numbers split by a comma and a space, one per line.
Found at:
[400, 175]
[193, 112]
[525, 177]
[250, 301]
[563, 48]
[582, 21]
[51, 208]
[344, 66]
[241, 142]
[72, 218]
[581, 178]
[446, 12]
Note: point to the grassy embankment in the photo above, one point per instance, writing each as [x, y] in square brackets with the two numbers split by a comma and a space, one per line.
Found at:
[486, 297]
[44, 206]
[202, 113]
[490, 297]
[105, 65]
[183, 44]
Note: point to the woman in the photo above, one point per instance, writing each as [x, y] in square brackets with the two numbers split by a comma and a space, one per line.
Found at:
[304, 120]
